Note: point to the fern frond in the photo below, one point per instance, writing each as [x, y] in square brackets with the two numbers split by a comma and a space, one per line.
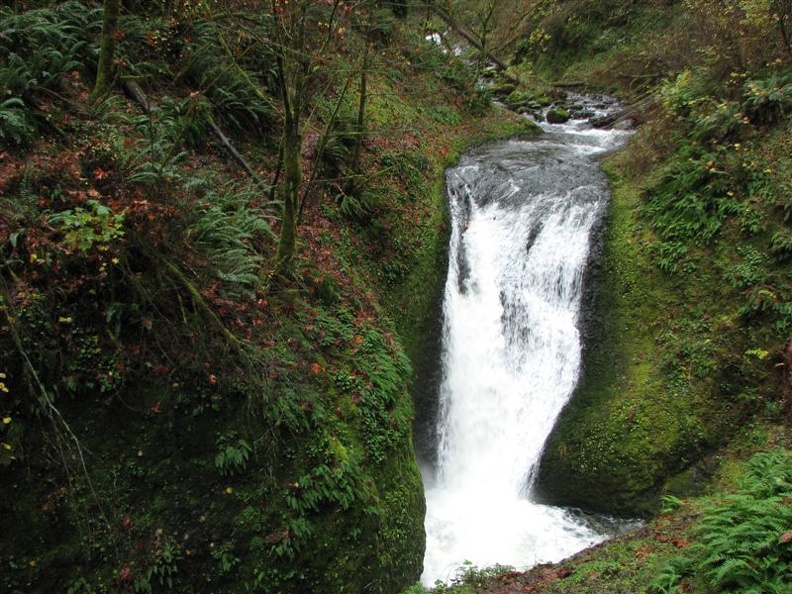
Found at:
[16, 125]
[227, 232]
[733, 571]
[39, 46]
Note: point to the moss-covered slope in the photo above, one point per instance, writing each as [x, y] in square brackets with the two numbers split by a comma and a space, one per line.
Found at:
[174, 419]
[687, 338]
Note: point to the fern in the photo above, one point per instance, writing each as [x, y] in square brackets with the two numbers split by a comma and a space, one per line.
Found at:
[154, 155]
[781, 245]
[39, 46]
[733, 571]
[16, 126]
[226, 232]
[767, 101]
[235, 88]
[745, 540]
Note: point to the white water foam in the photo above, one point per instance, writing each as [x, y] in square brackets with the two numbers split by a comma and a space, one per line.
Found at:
[511, 356]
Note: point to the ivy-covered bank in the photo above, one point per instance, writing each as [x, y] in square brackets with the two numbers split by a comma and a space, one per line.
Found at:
[174, 417]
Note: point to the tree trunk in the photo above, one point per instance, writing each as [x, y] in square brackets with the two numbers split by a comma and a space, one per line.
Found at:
[783, 11]
[104, 70]
[292, 179]
[295, 66]
[360, 128]
[786, 387]
[485, 17]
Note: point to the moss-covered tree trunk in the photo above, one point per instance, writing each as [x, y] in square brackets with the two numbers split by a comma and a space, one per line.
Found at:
[292, 180]
[782, 9]
[294, 67]
[104, 70]
[355, 184]
[298, 45]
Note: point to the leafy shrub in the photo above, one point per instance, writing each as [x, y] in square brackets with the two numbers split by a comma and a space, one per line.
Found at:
[470, 578]
[533, 46]
[164, 567]
[766, 101]
[443, 64]
[233, 454]
[84, 228]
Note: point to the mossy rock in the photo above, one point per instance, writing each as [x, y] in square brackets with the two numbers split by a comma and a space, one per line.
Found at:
[503, 89]
[653, 397]
[558, 115]
[517, 100]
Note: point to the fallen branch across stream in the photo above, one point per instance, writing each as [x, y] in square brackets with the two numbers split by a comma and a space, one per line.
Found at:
[473, 40]
[632, 111]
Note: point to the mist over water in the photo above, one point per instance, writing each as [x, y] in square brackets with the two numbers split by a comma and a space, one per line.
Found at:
[522, 219]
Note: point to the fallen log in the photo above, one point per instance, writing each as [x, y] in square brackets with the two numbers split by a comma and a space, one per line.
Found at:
[235, 153]
[631, 112]
[471, 38]
[138, 95]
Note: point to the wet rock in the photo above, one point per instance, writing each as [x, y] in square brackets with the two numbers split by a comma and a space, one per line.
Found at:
[517, 100]
[583, 114]
[626, 124]
[558, 115]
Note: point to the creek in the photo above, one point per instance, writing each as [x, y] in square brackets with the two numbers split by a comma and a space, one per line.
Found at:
[524, 214]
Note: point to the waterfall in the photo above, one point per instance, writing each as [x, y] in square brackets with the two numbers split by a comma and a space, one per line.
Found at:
[522, 216]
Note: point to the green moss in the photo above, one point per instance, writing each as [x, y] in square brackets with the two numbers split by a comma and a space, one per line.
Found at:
[659, 392]
[517, 100]
[558, 115]
[643, 409]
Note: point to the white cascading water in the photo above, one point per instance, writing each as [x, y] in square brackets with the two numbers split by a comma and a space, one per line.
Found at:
[522, 216]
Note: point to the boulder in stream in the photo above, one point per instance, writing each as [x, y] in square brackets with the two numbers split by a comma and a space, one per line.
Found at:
[558, 115]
